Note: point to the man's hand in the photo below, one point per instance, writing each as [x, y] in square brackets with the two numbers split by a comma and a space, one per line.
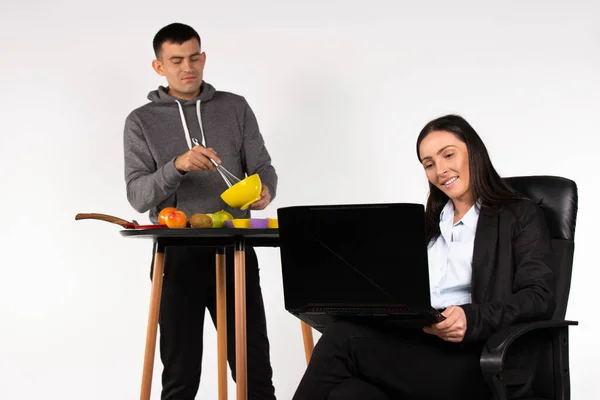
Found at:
[198, 158]
[264, 201]
[453, 328]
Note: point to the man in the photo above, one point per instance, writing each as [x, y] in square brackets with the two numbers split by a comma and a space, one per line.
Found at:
[164, 167]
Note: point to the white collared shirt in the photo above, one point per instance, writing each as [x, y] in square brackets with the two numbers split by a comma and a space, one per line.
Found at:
[450, 257]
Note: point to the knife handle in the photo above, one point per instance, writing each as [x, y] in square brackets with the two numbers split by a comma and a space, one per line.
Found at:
[104, 217]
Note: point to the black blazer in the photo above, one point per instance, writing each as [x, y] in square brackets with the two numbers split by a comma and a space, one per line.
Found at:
[512, 276]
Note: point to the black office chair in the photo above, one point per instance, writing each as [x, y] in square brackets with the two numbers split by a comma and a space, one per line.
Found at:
[558, 198]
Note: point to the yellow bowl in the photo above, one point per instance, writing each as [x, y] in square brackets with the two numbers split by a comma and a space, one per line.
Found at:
[273, 223]
[243, 193]
[241, 223]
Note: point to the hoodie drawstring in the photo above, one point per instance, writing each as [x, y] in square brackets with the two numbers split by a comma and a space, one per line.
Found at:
[188, 138]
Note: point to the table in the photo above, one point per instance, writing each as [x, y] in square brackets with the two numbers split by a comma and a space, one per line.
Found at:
[219, 239]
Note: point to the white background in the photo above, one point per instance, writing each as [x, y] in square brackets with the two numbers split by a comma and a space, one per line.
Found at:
[341, 90]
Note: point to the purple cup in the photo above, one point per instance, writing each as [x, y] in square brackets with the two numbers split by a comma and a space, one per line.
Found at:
[228, 223]
[259, 223]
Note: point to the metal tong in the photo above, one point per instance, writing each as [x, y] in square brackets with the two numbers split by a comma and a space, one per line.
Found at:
[229, 178]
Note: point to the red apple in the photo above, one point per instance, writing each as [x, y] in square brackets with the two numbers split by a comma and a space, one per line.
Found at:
[176, 219]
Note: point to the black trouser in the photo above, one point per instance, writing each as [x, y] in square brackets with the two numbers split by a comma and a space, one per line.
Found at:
[188, 288]
[353, 361]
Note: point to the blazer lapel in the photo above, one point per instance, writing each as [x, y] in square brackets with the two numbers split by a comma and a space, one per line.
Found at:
[484, 253]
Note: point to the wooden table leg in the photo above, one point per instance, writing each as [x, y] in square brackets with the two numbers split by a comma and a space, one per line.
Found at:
[307, 337]
[152, 329]
[240, 320]
[221, 325]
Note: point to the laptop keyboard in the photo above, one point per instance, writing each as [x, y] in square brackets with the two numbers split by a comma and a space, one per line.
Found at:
[357, 310]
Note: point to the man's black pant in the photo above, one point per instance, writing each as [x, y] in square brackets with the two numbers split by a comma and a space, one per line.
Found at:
[352, 361]
[188, 289]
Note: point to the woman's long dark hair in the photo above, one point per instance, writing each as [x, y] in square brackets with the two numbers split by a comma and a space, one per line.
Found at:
[486, 184]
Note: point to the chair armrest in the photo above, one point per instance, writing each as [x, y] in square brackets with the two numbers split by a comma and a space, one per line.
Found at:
[497, 345]
[505, 337]
[494, 351]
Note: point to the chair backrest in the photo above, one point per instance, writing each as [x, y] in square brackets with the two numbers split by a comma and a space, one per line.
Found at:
[558, 198]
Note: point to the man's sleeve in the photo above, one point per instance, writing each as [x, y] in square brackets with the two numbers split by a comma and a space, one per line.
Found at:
[147, 185]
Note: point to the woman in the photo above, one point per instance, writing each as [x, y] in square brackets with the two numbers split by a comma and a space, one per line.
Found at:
[489, 265]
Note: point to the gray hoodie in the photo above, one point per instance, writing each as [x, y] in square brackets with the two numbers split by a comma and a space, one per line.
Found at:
[160, 131]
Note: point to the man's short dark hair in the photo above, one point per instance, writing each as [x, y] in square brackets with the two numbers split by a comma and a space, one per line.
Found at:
[175, 33]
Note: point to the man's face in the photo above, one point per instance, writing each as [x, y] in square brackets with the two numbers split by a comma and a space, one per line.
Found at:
[183, 66]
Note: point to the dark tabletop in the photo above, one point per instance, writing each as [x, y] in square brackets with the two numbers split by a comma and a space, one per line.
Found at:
[211, 237]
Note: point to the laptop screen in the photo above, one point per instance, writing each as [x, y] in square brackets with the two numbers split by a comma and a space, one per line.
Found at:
[371, 255]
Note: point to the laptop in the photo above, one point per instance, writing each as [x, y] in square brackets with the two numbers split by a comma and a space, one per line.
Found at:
[365, 261]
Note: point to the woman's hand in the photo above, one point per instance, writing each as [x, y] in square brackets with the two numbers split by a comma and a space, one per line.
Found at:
[453, 328]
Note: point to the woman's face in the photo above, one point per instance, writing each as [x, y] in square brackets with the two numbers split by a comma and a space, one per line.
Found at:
[446, 162]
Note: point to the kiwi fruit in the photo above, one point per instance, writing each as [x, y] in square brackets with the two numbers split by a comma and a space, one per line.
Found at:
[200, 221]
